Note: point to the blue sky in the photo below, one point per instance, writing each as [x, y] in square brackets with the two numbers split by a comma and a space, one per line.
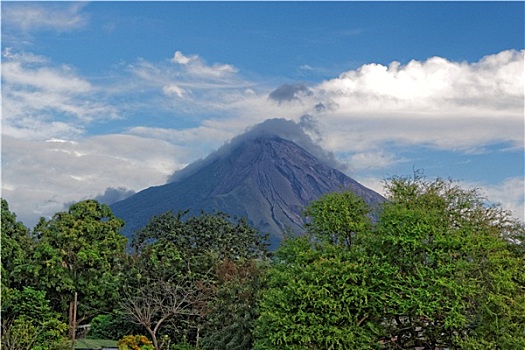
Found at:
[101, 99]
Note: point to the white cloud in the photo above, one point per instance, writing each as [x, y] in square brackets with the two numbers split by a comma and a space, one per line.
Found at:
[41, 100]
[174, 89]
[372, 160]
[179, 58]
[188, 72]
[28, 17]
[437, 103]
[40, 177]
[187, 85]
[432, 86]
[18, 72]
[510, 194]
[198, 67]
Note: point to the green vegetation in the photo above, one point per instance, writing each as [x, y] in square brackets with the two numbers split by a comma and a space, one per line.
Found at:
[439, 269]
[77, 259]
[175, 273]
[435, 268]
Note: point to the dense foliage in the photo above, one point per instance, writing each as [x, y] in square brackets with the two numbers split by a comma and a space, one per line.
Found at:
[439, 269]
[433, 268]
[175, 282]
[28, 320]
[77, 260]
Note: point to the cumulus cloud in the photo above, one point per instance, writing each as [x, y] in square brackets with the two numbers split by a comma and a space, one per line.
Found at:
[490, 81]
[179, 58]
[435, 102]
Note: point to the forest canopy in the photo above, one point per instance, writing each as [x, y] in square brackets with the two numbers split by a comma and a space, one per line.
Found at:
[433, 267]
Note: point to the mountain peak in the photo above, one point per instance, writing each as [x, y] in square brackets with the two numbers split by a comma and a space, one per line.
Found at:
[267, 179]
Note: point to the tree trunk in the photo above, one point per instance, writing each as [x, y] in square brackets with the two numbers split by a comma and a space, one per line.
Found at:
[73, 304]
[153, 338]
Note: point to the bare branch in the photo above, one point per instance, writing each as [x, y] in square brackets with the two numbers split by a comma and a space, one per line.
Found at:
[152, 304]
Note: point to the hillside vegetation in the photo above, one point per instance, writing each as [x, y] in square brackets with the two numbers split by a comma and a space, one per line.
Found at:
[435, 269]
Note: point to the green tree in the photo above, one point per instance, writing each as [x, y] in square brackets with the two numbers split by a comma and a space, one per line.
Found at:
[321, 296]
[28, 322]
[180, 253]
[234, 306]
[338, 217]
[322, 287]
[16, 249]
[460, 272]
[439, 269]
[80, 255]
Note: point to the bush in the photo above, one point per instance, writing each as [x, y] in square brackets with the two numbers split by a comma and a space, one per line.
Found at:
[135, 342]
[111, 326]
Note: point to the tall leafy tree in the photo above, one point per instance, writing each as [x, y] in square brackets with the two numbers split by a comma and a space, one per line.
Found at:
[320, 296]
[80, 254]
[234, 308]
[16, 249]
[439, 269]
[322, 287]
[180, 253]
[28, 322]
[460, 272]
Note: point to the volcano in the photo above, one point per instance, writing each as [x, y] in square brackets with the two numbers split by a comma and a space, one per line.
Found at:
[266, 179]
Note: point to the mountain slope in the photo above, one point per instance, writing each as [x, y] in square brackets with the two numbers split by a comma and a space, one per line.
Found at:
[267, 179]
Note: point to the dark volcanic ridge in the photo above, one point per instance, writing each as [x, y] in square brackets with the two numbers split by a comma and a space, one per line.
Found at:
[264, 178]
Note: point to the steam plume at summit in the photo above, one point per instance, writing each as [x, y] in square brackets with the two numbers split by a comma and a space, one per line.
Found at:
[286, 129]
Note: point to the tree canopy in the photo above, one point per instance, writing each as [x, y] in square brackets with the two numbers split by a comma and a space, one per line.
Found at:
[439, 269]
[174, 276]
[78, 257]
[16, 248]
[436, 268]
